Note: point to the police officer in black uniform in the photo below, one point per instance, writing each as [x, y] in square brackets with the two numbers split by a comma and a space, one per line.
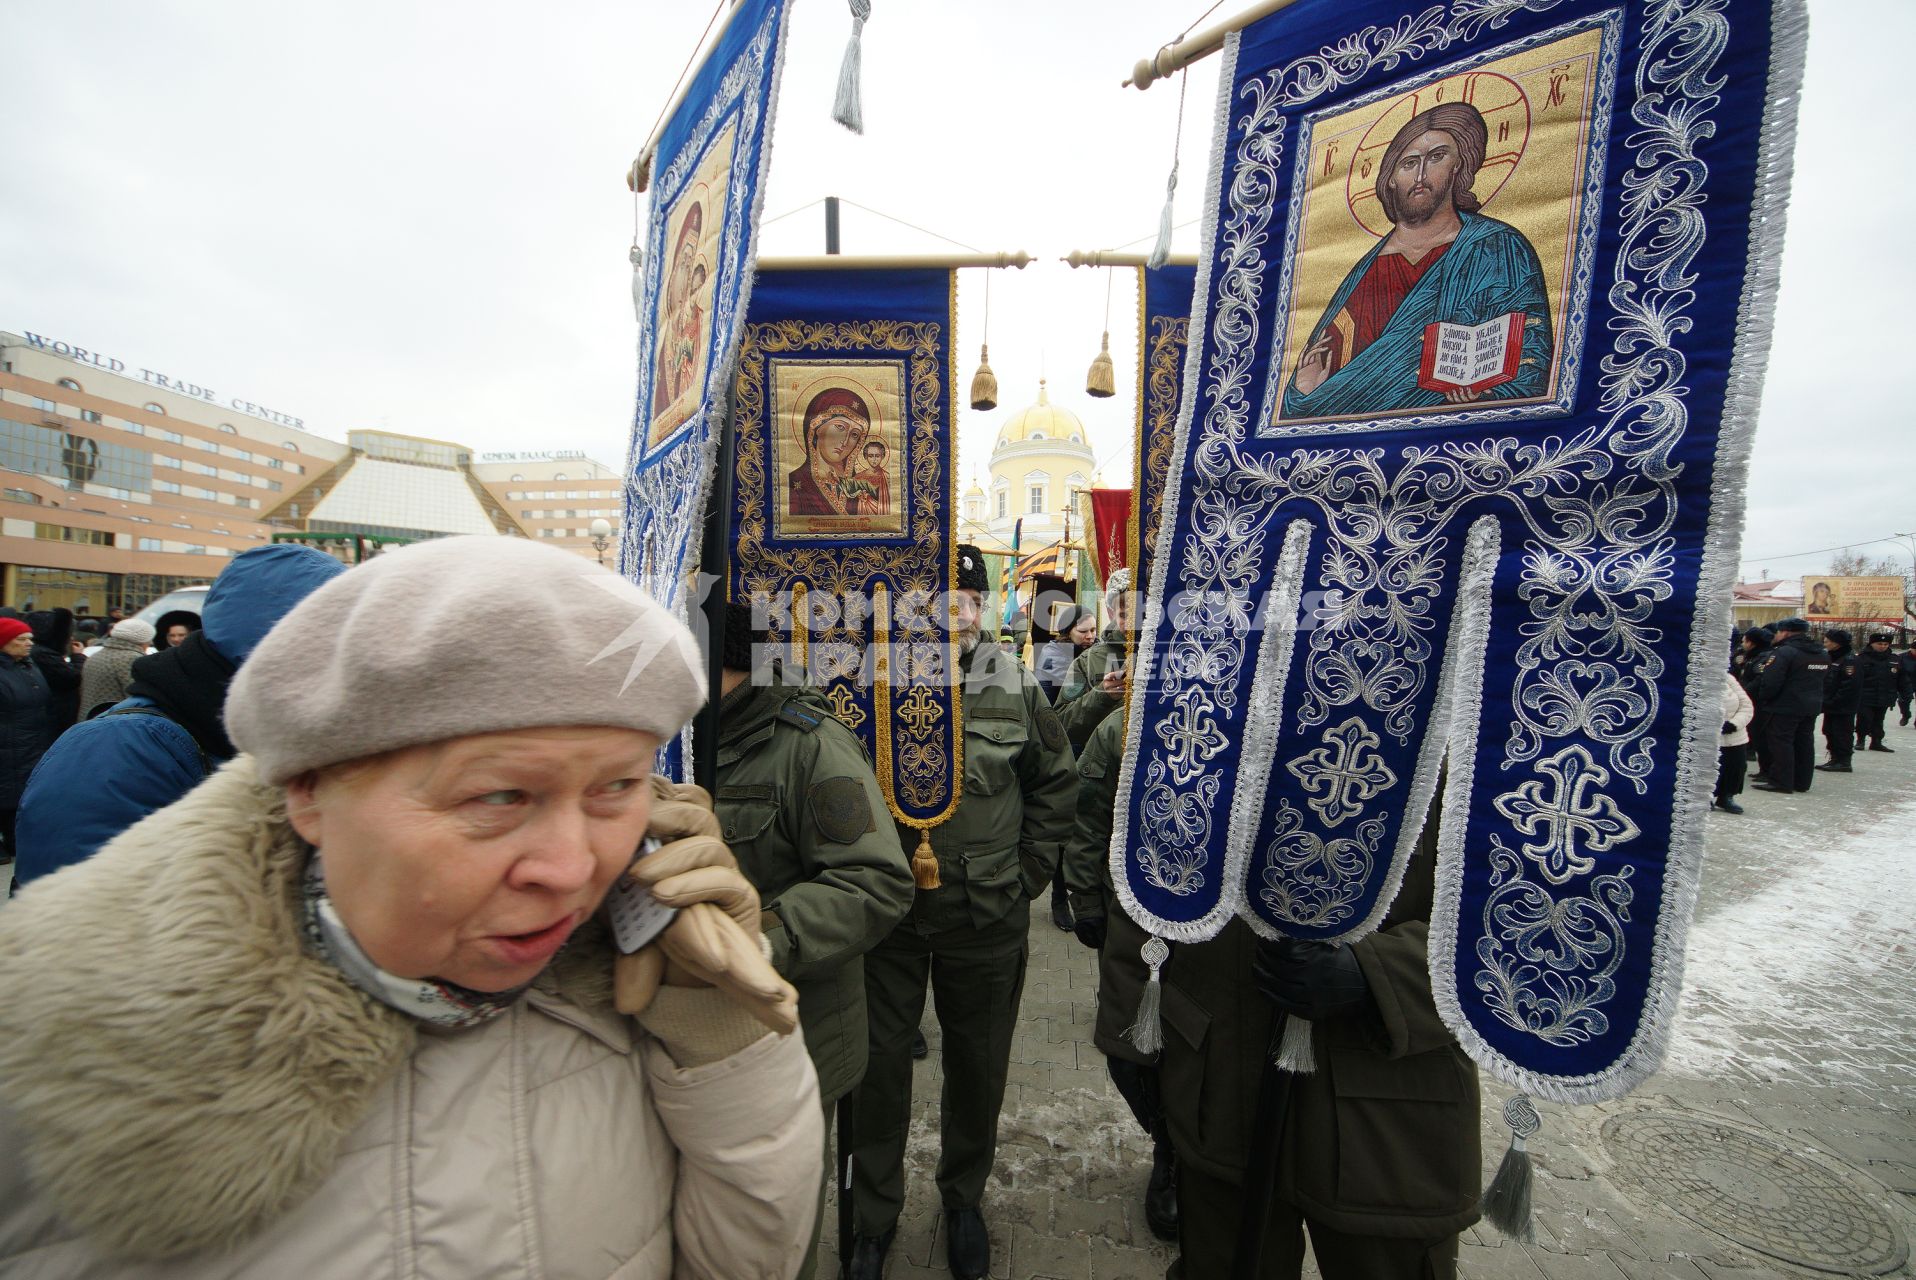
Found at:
[1791, 690]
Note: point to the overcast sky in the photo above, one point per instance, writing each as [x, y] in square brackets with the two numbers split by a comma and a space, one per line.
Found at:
[412, 216]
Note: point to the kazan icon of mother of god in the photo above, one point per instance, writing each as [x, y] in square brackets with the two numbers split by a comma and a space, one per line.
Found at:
[836, 424]
[682, 316]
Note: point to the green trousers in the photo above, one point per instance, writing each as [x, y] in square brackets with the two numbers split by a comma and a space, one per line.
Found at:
[976, 977]
[1208, 1212]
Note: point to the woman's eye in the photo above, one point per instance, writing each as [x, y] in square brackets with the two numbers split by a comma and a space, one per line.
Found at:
[501, 797]
[620, 786]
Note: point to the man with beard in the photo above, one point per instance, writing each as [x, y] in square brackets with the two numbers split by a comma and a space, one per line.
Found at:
[1442, 263]
[967, 939]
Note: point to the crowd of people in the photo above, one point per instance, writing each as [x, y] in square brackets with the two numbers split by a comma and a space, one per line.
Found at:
[360, 1010]
[1782, 679]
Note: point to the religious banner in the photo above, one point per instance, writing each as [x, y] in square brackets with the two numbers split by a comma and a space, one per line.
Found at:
[843, 509]
[1456, 491]
[1828, 599]
[700, 242]
[1108, 528]
[1164, 322]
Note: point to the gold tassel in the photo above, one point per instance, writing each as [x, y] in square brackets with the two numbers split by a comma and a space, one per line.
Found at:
[924, 863]
[984, 395]
[1102, 381]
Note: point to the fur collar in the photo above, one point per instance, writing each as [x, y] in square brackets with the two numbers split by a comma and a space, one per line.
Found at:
[181, 1070]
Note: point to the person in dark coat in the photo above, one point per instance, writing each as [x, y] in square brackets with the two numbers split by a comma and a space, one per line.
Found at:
[169, 732]
[1077, 628]
[1906, 681]
[1876, 681]
[173, 627]
[1841, 692]
[23, 721]
[1101, 924]
[1380, 1154]
[62, 668]
[1753, 654]
[1790, 689]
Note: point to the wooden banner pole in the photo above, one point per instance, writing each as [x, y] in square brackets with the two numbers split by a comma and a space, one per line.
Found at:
[1176, 57]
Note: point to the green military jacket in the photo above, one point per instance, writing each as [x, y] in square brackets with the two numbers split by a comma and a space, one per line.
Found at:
[1122, 973]
[1002, 845]
[1082, 702]
[1382, 1139]
[800, 807]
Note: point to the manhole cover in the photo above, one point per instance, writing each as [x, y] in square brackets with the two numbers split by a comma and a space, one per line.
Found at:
[1763, 1196]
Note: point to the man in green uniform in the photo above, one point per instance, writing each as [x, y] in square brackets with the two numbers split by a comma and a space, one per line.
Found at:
[1095, 686]
[967, 939]
[800, 808]
[1101, 924]
[1379, 1149]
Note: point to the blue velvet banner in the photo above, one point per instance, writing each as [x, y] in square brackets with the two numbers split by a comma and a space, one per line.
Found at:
[842, 511]
[1457, 493]
[1164, 324]
[701, 235]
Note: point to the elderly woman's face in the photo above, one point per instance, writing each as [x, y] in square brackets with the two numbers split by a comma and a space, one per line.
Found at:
[472, 861]
[20, 646]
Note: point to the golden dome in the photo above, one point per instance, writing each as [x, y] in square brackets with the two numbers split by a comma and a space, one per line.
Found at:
[1042, 421]
[976, 490]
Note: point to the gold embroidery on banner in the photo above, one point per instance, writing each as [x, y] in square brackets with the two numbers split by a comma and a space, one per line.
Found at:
[1164, 362]
[926, 770]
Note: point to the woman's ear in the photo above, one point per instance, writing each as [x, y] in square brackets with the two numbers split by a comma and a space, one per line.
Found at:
[303, 808]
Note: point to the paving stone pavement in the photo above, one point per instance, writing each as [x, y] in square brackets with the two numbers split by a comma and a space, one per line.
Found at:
[1797, 1037]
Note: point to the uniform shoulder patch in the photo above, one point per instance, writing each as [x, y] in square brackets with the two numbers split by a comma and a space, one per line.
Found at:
[804, 717]
[1051, 729]
[841, 809]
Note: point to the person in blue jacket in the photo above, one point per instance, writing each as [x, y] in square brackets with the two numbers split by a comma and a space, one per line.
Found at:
[105, 774]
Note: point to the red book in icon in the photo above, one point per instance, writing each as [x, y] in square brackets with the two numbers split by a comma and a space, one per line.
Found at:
[1472, 357]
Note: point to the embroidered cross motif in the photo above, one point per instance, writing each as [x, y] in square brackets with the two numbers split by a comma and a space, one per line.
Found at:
[1344, 773]
[846, 707]
[1193, 738]
[919, 712]
[1568, 817]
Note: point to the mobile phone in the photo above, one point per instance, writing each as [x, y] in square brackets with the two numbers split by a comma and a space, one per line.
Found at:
[637, 917]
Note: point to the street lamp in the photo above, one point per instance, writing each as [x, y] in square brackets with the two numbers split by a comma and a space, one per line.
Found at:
[601, 534]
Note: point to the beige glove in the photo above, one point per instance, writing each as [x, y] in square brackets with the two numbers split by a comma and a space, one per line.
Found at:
[714, 941]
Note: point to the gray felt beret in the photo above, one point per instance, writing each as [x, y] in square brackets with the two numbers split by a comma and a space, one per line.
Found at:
[454, 637]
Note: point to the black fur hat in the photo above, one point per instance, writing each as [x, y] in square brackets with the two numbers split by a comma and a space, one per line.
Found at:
[971, 569]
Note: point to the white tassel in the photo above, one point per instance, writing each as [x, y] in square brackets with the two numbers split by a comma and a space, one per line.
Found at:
[1161, 251]
[1295, 1054]
[848, 110]
[1147, 1033]
[1506, 1203]
[638, 281]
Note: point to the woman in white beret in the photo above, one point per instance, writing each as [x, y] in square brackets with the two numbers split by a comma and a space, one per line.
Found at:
[347, 1009]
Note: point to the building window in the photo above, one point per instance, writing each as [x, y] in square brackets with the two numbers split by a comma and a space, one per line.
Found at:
[288, 444]
[275, 463]
[153, 406]
[561, 476]
[1034, 500]
[165, 486]
[211, 446]
[66, 533]
[69, 384]
[171, 437]
[1004, 498]
[141, 519]
[181, 524]
[194, 549]
[1076, 438]
[274, 485]
[161, 460]
[516, 477]
[133, 427]
[229, 428]
[201, 468]
[45, 405]
[151, 544]
[1036, 435]
[90, 415]
[241, 454]
[193, 491]
[22, 495]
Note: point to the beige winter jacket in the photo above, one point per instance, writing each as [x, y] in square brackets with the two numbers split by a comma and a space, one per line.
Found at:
[186, 1092]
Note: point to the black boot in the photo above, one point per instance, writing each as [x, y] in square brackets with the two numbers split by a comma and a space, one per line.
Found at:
[1877, 746]
[967, 1247]
[1161, 1194]
[1729, 806]
[1060, 911]
[868, 1256]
